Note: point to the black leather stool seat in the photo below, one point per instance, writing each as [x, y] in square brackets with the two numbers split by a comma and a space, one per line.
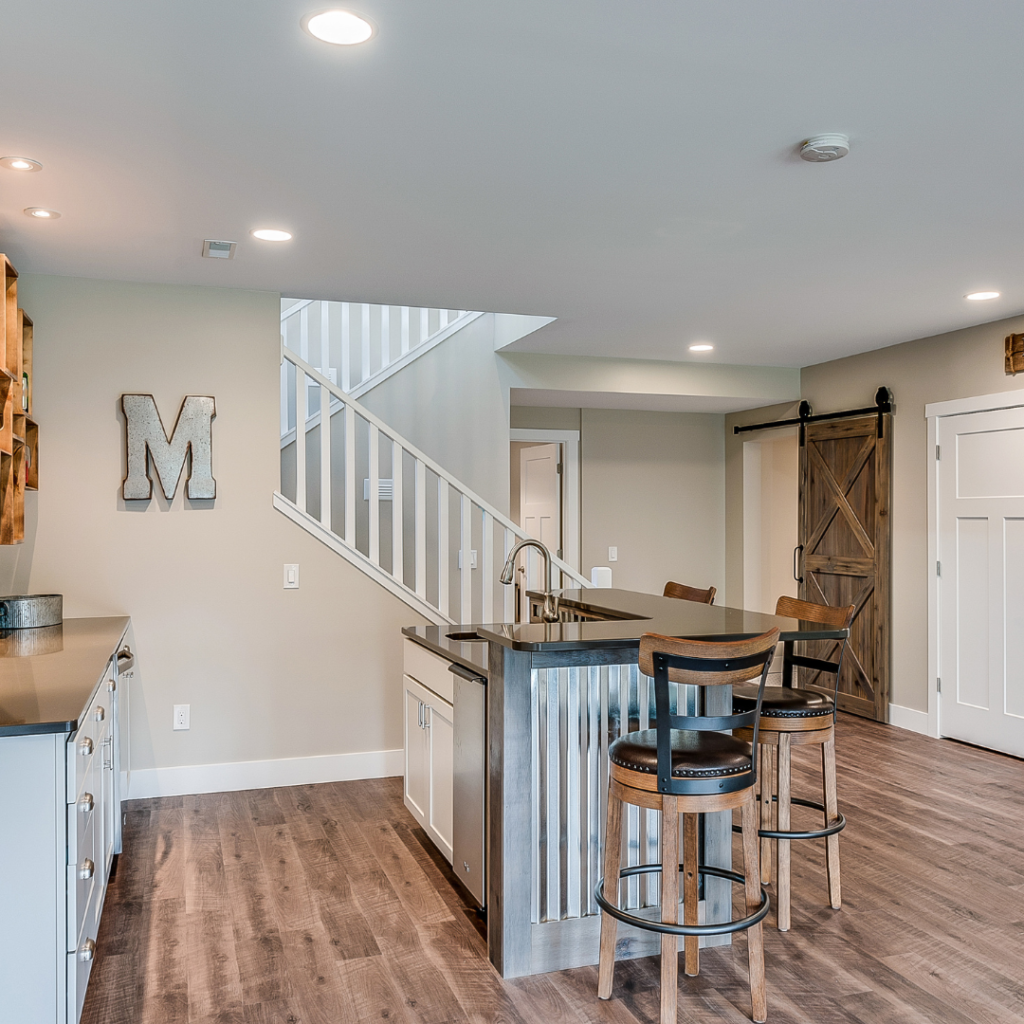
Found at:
[694, 754]
[782, 702]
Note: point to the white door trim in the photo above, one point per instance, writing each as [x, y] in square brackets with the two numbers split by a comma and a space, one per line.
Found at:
[933, 412]
[570, 440]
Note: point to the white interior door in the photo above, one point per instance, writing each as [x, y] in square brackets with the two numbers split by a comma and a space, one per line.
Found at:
[981, 578]
[540, 504]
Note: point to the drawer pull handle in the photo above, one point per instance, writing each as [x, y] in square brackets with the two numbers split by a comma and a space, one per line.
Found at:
[100, 714]
[86, 869]
[111, 685]
[85, 747]
[85, 805]
[88, 951]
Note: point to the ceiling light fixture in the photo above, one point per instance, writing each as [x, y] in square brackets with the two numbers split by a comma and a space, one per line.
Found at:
[981, 296]
[271, 235]
[20, 163]
[342, 28]
[40, 214]
[702, 347]
[821, 149]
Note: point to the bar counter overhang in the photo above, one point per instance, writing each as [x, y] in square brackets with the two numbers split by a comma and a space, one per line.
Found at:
[558, 694]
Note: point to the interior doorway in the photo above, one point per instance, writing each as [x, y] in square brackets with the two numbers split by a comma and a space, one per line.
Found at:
[544, 499]
[771, 489]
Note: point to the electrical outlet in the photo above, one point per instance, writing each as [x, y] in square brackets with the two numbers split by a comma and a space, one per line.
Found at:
[291, 576]
[613, 554]
[182, 715]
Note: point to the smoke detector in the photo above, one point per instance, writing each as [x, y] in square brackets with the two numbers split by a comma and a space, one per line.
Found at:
[820, 149]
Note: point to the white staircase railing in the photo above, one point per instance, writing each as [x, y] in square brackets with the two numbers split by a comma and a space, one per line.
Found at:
[377, 500]
[358, 344]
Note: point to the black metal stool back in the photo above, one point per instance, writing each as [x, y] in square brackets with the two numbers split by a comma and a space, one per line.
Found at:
[827, 615]
[696, 663]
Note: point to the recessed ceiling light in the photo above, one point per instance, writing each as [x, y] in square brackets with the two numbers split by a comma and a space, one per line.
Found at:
[343, 28]
[702, 347]
[271, 235]
[41, 214]
[20, 163]
[982, 296]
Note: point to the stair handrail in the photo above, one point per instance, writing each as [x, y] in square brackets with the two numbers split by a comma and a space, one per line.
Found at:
[435, 467]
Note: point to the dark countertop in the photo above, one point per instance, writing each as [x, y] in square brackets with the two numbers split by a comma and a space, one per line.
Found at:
[472, 655]
[49, 691]
[630, 615]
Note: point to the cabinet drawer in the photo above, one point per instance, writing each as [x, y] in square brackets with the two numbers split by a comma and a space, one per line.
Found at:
[85, 744]
[82, 850]
[429, 670]
[80, 961]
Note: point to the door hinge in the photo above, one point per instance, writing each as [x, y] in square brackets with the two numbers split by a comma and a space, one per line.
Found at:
[936, 453]
[938, 568]
[558, 468]
[938, 684]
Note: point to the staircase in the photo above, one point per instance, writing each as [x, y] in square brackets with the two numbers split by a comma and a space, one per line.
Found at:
[368, 493]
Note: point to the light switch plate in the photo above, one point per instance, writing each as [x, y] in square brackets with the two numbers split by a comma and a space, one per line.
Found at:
[291, 576]
[613, 554]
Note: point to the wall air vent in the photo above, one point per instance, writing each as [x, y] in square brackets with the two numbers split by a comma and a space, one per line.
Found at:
[216, 250]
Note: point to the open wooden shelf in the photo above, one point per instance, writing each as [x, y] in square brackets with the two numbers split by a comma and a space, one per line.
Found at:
[19, 433]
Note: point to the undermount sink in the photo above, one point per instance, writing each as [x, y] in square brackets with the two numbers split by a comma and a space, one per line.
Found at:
[465, 637]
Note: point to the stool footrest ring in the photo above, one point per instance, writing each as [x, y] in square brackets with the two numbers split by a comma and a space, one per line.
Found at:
[836, 827]
[725, 928]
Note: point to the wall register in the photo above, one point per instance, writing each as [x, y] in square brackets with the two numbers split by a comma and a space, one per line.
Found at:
[148, 444]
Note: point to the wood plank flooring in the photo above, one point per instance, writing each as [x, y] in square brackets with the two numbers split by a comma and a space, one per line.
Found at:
[327, 904]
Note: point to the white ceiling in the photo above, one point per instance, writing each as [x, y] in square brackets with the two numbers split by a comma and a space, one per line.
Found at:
[628, 168]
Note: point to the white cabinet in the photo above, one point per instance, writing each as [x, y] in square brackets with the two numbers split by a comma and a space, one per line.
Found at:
[60, 812]
[429, 743]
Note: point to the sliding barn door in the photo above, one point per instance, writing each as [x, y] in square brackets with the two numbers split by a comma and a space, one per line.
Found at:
[845, 531]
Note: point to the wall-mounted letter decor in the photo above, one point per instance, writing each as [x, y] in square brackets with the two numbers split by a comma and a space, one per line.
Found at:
[147, 440]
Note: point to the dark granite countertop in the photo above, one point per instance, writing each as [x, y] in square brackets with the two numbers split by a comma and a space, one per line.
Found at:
[471, 655]
[49, 676]
[630, 614]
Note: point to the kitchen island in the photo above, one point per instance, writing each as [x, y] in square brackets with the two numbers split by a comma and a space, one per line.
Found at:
[557, 695]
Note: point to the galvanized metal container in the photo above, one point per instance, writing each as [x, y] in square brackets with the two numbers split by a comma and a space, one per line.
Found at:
[31, 611]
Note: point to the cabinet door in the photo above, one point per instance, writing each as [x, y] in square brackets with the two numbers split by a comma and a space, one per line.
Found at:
[441, 736]
[417, 753]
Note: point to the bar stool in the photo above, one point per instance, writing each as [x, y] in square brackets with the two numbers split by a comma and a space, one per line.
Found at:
[682, 592]
[688, 765]
[791, 716]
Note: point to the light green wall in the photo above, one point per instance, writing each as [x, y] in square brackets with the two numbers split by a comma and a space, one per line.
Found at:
[269, 673]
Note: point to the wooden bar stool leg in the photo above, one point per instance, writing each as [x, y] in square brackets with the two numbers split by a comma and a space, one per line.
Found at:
[669, 906]
[691, 943]
[755, 935]
[612, 859]
[767, 787]
[785, 779]
[831, 801]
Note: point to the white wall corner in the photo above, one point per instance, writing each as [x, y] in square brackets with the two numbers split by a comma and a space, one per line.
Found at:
[909, 718]
[286, 771]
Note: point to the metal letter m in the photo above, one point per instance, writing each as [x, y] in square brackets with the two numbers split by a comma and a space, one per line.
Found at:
[191, 438]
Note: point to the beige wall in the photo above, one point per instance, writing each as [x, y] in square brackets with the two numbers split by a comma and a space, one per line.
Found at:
[956, 365]
[653, 485]
[269, 673]
[453, 404]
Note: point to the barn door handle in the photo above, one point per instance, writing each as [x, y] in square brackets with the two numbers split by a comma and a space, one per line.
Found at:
[796, 563]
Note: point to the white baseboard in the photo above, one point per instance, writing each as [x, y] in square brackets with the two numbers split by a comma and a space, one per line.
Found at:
[908, 718]
[285, 771]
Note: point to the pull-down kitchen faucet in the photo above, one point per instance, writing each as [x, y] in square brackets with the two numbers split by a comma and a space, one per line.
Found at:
[550, 613]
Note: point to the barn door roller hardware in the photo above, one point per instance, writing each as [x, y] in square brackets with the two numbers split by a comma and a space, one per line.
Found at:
[883, 404]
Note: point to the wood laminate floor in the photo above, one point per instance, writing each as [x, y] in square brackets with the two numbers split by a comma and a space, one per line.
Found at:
[324, 904]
